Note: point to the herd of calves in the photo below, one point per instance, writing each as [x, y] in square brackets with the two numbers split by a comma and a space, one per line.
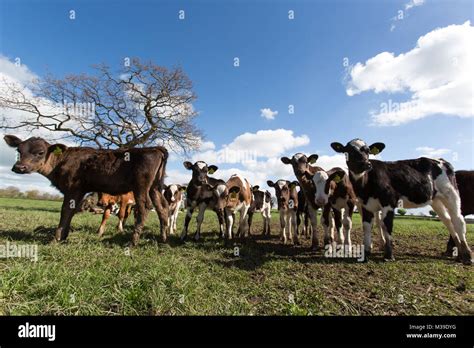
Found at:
[135, 176]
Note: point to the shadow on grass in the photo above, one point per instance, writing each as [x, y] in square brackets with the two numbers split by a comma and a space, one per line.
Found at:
[20, 208]
[41, 234]
[252, 253]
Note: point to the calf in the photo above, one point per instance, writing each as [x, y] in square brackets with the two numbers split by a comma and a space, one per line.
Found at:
[238, 199]
[465, 182]
[304, 171]
[74, 171]
[174, 196]
[262, 202]
[418, 182]
[287, 198]
[203, 192]
[107, 202]
[302, 215]
[334, 191]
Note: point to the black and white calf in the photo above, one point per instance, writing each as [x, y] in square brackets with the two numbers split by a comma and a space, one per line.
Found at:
[287, 198]
[262, 203]
[334, 191]
[174, 195]
[414, 183]
[204, 192]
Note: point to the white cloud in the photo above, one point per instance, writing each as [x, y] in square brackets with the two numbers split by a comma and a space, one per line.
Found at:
[16, 72]
[268, 113]
[327, 162]
[251, 146]
[207, 145]
[256, 156]
[437, 73]
[414, 3]
[177, 176]
[431, 152]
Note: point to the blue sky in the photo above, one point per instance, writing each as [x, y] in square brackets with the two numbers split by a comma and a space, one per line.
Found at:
[283, 62]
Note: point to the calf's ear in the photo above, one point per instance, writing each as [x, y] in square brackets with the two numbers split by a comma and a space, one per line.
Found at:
[57, 149]
[270, 183]
[286, 160]
[234, 189]
[337, 176]
[255, 188]
[211, 169]
[376, 148]
[182, 187]
[12, 141]
[188, 165]
[338, 147]
[294, 184]
[313, 158]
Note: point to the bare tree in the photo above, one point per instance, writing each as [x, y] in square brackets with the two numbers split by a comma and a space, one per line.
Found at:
[141, 104]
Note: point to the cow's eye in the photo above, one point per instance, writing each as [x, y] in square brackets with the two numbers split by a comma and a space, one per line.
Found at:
[41, 153]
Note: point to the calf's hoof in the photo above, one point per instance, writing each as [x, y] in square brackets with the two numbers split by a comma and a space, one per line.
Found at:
[135, 239]
[467, 258]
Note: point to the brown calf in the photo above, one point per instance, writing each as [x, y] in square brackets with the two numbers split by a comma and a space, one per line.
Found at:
[74, 171]
[287, 199]
[238, 199]
[107, 202]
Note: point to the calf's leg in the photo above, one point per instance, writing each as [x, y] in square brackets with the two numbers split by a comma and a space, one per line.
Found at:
[187, 219]
[105, 217]
[199, 220]
[141, 198]
[162, 210]
[70, 206]
[367, 221]
[387, 227]
[313, 215]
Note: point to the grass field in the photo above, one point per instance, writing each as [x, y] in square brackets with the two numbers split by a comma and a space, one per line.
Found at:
[88, 276]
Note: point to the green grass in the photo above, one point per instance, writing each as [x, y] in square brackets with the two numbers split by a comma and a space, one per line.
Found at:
[88, 276]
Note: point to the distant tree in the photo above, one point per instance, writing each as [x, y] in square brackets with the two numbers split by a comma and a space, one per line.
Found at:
[433, 213]
[401, 211]
[140, 104]
[32, 194]
[11, 192]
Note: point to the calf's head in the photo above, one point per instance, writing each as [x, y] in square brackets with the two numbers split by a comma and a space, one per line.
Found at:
[174, 192]
[200, 171]
[283, 189]
[220, 194]
[357, 154]
[261, 197]
[105, 199]
[300, 162]
[33, 153]
[325, 185]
